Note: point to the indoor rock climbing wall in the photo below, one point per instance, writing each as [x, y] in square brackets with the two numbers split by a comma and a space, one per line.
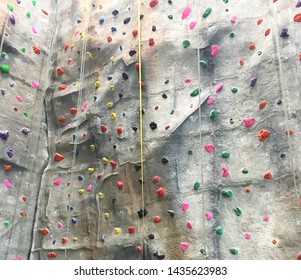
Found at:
[206, 168]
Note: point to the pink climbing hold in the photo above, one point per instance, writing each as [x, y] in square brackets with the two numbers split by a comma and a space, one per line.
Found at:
[188, 80]
[89, 188]
[57, 181]
[33, 29]
[184, 246]
[59, 224]
[84, 107]
[266, 218]
[186, 12]
[248, 235]
[35, 84]
[233, 19]
[249, 122]
[19, 98]
[210, 100]
[7, 183]
[225, 172]
[17, 258]
[153, 3]
[69, 60]
[218, 87]
[214, 50]
[189, 224]
[185, 205]
[208, 216]
[209, 147]
[192, 24]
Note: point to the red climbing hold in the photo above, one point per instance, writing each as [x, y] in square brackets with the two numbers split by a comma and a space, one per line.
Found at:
[267, 175]
[36, 49]
[299, 56]
[62, 87]
[263, 134]
[299, 256]
[290, 131]
[156, 179]
[157, 219]
[64, 240]
[241, 62]
[259, 21]
[167, 127]
[60, 71]
[24, 197]
[62, 118]
[103, 128]
[58, 157]
[252, 46]
[139, 249]
[135, 32]
[267, 32]
[274, 1]
[44, 231]
[109, 39]
[131, 229]
[262, 104]
[161, 191]
[119, 130]
[151, 41]
[137, 66]
[44, 12]
[248, 189]
[22, 213]
[120, 185]
[73, 111]
[153, 3]
[7, 168]
[99, 176]
[113, 163]
[297, 18]
[52, 255]
[66, 46]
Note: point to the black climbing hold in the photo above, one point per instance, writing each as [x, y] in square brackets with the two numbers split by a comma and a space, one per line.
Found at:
[164, 95]
[113, 200]
[135, 128]
[141, 16]
[279, 102]
[137, 167]
[114, 146]
[153, 125]
[131, 53]
[120, 95]
[151, 236]
[142, 213]
[127, 20]
[282, 155]
[164, 160]
[160, 257]
[115, 13]
[171, 213]
[166, 82]
[125, 76]
[154, 28]
[169, 2]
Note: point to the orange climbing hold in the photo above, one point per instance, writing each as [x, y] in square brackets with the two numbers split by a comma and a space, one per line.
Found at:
[44, 231]
[259, 21]
[252, 46]
[62, 118]
[262, 104]
[52, 255]
[62, 87]
[36, 49]
[58, 157]
[7, 168]
[263, 134]
[267, 32]
[73, 111]
[267, 175]
[297, 18]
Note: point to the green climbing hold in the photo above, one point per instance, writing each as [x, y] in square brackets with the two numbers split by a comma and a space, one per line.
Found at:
[225, 1]
[10, 7]
[25, 114]
[232, 34]
[196, 185]
[4, 68]
[203, 63]
[227, 193]
[234, 89]
[189, 152]
[207, 12]
[23, 50]
[6, 223]
[34, 2]
[3, 54]
[238, 211]
[245, 171]
[186, 44]
[213, 114]
[234, 250]
[170, 17]
[259, 53]
[195, 92]
[225, 154]
[220, 230]
[231, 121]
[28, 14]
[203, 251]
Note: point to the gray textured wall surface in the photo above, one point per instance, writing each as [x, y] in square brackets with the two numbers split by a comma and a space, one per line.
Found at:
[77, 202]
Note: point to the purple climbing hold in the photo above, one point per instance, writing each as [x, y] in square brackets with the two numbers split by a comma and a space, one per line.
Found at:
[12, 19]
[4, 134]
[18, 1]
[298, 4]
[25, 130]
[253, 82]
[284, 33]
[10, 152]
[3, 91]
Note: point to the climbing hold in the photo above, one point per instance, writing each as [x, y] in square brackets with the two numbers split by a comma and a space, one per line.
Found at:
[164, 160]
[151, 41]
[157, 219]
[207, 12]
[131, 229]
[58, 157]
[160, 191]
[234, 250]
[213, 114]
[44, 231]
[153, 3]
[185, 205]
[73, 111]
[10, 152]
[117, 230]
[233, 19]
[219, 230]
[249, 122]
[208, 216]
[10, 7]
[4, 134]
[259, 21]
[57, 182]
[226, 192]
[214, 50]
[267, 32]
[52, 255]
[186, 44]
[184, 246]
[60, 71]
[44, 12]
[284, 33]
[35, 84]
[36, 49]
[113, 163]
[232, 34]
[4, 68]
[135, 32]
[263, 134]
[290, 132]
[210, 100]
[196, 186]
[299, 256]
[195, 92]
[262, 104]
[252, 46]
[266, 218]
[253, 81]
[209, 147]
[120, 185]
[297, 18]
[119, 130]
[156, 179]
[153, 125]
[245, 171]
[7, 168]
[7, 183]
[225, 154]
[218, 87]
[238, 211]
[203, 63]
[186, 12]
[267, 175]
[81, 191]
[192, 24]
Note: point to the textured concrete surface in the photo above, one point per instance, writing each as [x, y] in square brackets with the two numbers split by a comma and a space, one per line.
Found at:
[270, 211]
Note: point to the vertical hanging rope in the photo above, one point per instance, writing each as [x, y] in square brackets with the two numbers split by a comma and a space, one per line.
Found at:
[141, 109]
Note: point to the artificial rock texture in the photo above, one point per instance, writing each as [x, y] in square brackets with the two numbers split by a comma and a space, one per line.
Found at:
[90, 222]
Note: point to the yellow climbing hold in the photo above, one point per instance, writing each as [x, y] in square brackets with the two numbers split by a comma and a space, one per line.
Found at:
[91, 170]
[92, 147]
[117, 230]
[72, 46]
[132, 148]
[81, 191]
[113, 116]
[105, 161]
[85, 8]
[100, 195]
[90, 37]
[110, 104]
[112, 59]
[97, 84]
[100, 6]
[74, 238]
[89, 54]
[112, 87]
[81, 34]
[106, 215]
